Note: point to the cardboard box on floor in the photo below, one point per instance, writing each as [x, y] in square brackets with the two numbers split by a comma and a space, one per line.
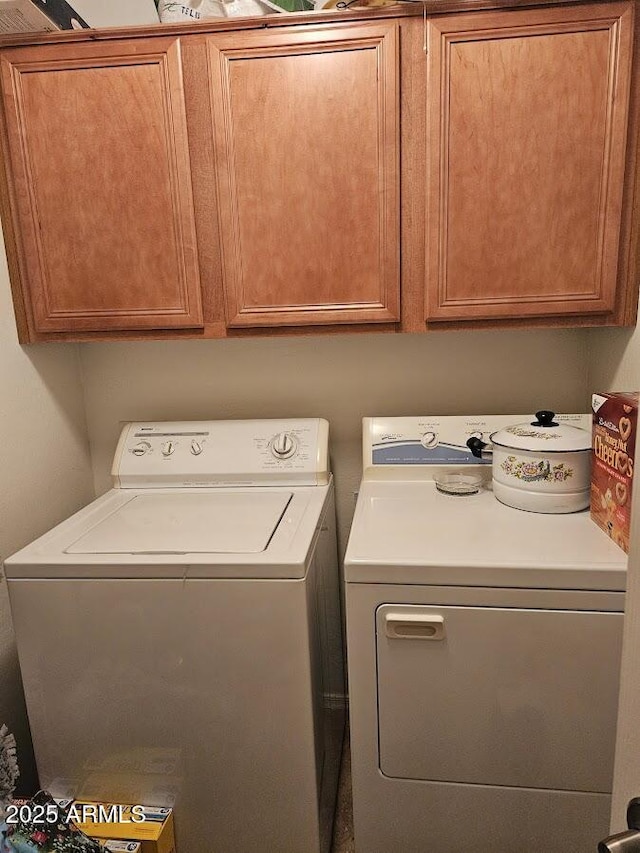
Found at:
[155, 833]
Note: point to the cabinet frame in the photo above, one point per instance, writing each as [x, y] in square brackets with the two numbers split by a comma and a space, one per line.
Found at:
[416, 162]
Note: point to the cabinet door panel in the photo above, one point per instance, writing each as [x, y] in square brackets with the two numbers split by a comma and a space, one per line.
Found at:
[528, 118]
[306, 135]
[102, 188]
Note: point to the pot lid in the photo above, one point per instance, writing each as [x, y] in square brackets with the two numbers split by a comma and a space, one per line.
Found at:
[545, 434]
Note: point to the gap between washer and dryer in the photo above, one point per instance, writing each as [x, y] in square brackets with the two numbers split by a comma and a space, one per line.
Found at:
[343, 826]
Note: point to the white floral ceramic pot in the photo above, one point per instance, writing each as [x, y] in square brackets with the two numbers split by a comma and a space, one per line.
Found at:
[542, 466]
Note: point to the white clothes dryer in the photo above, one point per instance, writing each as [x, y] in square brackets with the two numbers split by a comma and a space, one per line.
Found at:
[484, 651]
[179, 638]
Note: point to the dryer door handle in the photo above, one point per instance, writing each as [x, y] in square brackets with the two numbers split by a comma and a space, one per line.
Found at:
[625, 842]
[414, 626]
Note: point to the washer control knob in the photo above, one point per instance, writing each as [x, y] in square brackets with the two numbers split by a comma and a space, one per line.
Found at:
[284, 445]
[141, 448]
[196, 447]
[167, 448]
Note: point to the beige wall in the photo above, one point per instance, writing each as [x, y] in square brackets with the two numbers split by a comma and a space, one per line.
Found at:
[614, 364]
[342, 378]
[44, 454]
[45, 473]
[614, 360]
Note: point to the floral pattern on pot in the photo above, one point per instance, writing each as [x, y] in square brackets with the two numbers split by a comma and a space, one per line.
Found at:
[531, 433]
[535, 472]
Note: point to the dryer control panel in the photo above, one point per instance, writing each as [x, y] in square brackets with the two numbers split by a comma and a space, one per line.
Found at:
[188, 454]
[416, 448]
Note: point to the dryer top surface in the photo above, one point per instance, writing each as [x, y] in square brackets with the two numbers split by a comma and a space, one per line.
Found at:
[408, 532]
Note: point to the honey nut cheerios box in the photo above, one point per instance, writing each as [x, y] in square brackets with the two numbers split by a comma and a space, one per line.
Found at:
[615, 424]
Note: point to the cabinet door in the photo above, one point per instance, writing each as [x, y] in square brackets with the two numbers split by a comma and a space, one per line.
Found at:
[306, 147]
[527, 132]
[100, 185]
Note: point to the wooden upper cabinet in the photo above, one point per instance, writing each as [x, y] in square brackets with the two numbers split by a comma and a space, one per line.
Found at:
[524, 209]
[100, 187]
[527, 114]
[306, 129]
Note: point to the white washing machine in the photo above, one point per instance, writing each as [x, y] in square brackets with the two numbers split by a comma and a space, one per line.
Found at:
[483, 649]
[179, 638]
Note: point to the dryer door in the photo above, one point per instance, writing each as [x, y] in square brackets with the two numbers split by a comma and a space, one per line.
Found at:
[498, 696]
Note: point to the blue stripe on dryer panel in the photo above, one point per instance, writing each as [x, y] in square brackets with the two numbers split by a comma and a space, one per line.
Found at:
[413, 453]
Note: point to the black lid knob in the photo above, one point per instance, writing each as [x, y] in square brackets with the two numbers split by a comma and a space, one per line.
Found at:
[476, 446]
[545, 419]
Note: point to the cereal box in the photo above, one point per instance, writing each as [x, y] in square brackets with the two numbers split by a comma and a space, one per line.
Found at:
[615, 424]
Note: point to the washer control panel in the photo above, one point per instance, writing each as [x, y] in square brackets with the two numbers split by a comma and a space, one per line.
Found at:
[222, 453]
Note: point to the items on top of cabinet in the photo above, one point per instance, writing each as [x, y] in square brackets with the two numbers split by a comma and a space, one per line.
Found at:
[117, 13]
[356, 4]
[190, 11]
[21, 16]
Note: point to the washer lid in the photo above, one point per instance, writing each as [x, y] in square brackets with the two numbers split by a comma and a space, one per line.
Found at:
[218, 523]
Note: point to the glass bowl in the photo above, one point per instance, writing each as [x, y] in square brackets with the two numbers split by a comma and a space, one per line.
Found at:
[454, 483]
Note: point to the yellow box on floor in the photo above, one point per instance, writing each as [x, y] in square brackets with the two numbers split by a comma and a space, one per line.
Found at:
[152, 827]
